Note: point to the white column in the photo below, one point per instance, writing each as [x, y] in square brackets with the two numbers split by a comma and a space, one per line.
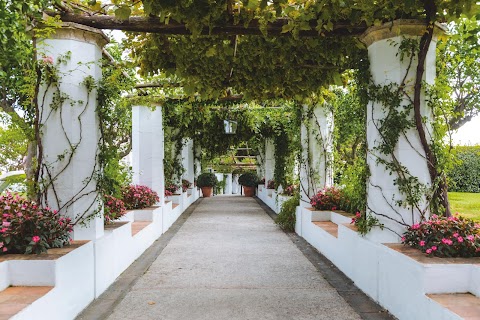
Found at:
[188, 160]
[197, 156]
[269, 160]
[158, 153]
[142, 145]
[387, 68]
[70, 131]
[148, 148]
[316, 168]
[228, 183]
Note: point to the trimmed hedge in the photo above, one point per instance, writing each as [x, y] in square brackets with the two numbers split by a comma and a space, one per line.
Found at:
[465, 175]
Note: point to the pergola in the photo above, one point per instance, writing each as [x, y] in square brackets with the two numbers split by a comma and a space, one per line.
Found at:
[80, 34]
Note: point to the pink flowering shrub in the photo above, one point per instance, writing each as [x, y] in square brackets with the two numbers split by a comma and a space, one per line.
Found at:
[271, 184]
[167, 193]
[171, 187]
[291, 190]
[28, 228]
[327, 199]
[185, 185]
[113, 209]
[139, 197]
[445, 237]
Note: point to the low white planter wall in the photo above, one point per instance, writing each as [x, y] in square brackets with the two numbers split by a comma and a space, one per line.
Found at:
[393, 279]
[87, 271]
[74, 286]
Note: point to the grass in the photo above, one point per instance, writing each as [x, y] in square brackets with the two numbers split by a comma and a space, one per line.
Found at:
[467, 204]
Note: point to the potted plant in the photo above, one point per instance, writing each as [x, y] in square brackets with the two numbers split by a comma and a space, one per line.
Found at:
[249, 181]
[206, 181]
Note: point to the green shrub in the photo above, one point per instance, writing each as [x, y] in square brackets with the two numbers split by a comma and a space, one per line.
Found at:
[465, 175]
[248, 179]
[207, 179]
[286, 217]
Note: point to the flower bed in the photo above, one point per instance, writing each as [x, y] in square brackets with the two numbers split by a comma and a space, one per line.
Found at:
[139, 197]
[186, 185]
[114, 209]
[28, 228]
[445, 237]
[271, 184]
[327, 199]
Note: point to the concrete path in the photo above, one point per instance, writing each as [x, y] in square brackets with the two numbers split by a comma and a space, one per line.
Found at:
[230, 261]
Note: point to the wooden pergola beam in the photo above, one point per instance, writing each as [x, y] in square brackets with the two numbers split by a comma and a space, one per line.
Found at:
[153, 25]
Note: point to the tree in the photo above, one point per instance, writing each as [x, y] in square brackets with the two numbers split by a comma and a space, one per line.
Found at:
[458, 72]
[13, 145]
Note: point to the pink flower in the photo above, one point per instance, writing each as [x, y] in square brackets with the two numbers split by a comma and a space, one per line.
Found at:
[4, 249]
[460, 239]
[434, 248]
[470, 237]
[403, 239]
[6, 224]
[447, 241]
[455, 235]
[19, 214]
[6, 207]
[35, 239]
[47, 59]
[3, 230]
[415, 226]
[358, 214]
[434, 216]
[428, 251]
[422, 243]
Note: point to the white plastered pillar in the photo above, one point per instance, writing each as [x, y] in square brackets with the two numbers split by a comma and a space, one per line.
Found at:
[197, 159]
[387, 68]
[70, 131]
[148, 148]
[316, 168]
[269, 160]
[188, 160]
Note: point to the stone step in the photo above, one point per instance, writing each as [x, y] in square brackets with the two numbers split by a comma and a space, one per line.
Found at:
[328, 226]
[465, 305]
[138, 226]
[15, 299]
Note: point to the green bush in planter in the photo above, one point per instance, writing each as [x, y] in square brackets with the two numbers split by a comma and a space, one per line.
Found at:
[248, 179]
[207, 180]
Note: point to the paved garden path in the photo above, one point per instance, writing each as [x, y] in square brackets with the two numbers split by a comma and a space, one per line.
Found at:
[230, 261]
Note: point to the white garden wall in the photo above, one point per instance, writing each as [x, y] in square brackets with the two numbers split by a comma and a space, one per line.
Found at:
[396, 281]
[83, 274]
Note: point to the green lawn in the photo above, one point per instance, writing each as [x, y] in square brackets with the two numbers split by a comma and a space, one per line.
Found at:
[467, 204]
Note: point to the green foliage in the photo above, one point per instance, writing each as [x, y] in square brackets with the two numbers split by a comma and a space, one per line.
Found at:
[458, 62]
[115, 113]
[248, 179]
[354, 187]
[286, 217]
[206, 179]
[13, 145]
[365, 222]
[465, 175]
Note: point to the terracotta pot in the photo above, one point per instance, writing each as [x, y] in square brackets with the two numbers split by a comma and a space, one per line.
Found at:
[249, 191]
[207, 191]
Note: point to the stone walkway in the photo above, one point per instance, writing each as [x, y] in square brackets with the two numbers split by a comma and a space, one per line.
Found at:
[230, 261]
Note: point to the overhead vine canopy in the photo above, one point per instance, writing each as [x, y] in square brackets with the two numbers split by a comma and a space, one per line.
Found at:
[234, 45]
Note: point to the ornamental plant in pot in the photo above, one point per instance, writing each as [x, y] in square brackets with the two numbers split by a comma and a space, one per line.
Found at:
[249, 181]
[206, 181]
